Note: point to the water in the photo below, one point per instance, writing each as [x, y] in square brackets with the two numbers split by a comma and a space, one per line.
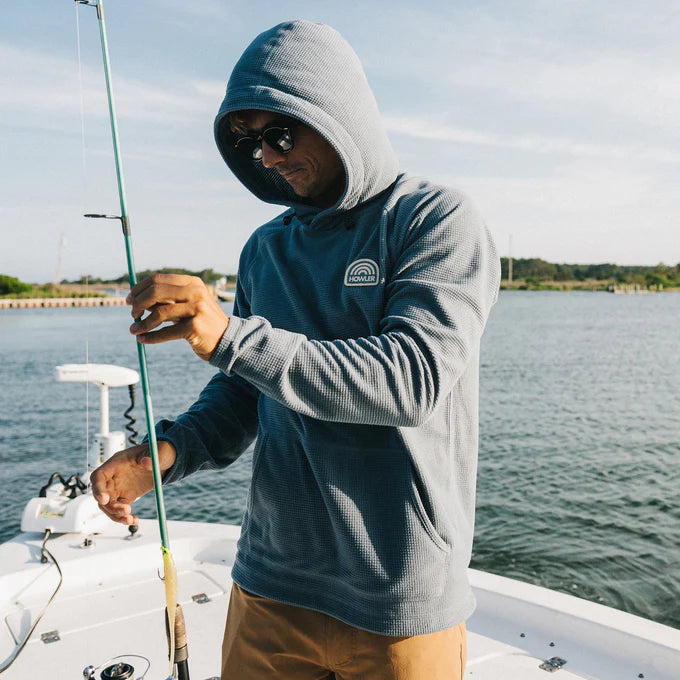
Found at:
[579, 474]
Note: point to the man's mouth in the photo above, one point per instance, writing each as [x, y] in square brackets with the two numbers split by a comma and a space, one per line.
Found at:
[288, 174]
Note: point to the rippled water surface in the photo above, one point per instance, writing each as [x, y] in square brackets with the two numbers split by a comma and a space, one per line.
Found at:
[579, 472]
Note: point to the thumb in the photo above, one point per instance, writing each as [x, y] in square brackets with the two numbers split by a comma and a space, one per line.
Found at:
[101, 497]
[99, 487]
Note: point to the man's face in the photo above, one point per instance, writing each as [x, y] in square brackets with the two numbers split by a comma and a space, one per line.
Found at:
[312, 168]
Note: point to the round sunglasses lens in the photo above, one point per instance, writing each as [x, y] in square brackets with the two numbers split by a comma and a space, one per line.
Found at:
[279, 139]
[249, 147]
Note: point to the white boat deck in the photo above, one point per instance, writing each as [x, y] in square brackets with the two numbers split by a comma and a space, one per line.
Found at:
[111, 604]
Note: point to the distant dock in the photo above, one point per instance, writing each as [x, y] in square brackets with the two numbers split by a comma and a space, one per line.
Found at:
[633, 289]
[36, 303]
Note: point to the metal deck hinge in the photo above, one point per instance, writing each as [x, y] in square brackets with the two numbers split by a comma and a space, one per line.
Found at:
[50, 636]
[553, 664]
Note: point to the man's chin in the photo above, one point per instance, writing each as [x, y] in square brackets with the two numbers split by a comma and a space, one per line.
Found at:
[300, 190]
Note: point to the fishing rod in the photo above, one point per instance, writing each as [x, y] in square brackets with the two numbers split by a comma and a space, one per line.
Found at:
[174, 618]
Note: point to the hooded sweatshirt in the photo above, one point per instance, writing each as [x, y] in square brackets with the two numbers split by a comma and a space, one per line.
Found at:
[352, 355]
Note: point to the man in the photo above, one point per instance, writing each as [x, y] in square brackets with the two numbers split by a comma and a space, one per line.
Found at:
[352, 355]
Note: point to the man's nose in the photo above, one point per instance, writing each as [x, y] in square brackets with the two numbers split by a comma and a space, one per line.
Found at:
[270, 156]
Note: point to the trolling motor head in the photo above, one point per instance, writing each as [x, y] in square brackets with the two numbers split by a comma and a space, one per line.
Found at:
[104, 376]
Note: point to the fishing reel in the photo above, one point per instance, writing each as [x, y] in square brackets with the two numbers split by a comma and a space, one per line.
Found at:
[123, 670]
[120, 670]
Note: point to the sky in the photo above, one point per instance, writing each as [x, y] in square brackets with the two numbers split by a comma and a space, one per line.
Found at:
[559, 119]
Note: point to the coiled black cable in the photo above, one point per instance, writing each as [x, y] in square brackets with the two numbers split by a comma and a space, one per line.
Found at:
[53, 476]
[74, 485]
[131, 421]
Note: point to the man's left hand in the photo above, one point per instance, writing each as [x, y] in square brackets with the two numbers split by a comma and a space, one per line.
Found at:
[186, 303]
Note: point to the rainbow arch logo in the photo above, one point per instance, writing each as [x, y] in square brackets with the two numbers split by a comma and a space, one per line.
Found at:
[362, 272]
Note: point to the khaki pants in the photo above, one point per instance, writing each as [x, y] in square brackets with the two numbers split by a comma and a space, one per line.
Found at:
[264, 640]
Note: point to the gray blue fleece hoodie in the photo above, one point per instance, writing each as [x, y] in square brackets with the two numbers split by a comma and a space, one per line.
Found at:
[353, 357]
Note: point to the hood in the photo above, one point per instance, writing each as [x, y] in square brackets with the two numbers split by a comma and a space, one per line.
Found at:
[308, 71]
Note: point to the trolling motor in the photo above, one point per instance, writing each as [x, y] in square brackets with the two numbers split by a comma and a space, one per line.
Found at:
[67, 505]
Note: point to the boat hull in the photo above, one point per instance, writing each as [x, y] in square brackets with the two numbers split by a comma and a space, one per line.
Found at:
[110, 605]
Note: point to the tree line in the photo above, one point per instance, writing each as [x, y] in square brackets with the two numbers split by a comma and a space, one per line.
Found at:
[540, 270]
[532, 269]
[10, 286]
[209, 276]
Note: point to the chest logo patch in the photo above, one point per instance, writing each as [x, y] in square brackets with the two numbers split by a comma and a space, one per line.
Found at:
[362, 272]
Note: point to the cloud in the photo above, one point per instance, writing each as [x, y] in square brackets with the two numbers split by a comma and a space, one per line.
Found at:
[425, 129]
[586, 212]
[38, 84]
[206, 9]
[625, 86]
[614, 67]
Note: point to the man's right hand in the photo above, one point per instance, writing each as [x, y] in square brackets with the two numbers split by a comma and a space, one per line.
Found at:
[126, 476]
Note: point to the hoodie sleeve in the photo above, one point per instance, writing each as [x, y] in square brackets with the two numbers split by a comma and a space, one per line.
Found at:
[444, 280]
[216, 429]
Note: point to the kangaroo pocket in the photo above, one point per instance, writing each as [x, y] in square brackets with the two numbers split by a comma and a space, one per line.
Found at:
[355, 518]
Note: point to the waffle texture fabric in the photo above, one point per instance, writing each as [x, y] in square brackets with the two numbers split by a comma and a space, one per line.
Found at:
[353, 357]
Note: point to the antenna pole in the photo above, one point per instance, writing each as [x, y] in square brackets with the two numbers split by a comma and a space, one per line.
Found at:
[510, 260]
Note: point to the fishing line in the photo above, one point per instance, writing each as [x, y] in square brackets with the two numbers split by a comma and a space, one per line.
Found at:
[83, 194]
[83, 199]
[170, 572]
[82, 102]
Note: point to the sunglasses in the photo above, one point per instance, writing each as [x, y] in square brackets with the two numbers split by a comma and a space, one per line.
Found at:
[278, 138]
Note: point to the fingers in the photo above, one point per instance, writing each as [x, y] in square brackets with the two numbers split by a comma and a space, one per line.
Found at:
[117, 509]
[163, 289]
[119, 512]
[161, 294]
[160, 314]
[120, 480]
[186, 303]
[99, 487]
[174, 332]
[159, 279]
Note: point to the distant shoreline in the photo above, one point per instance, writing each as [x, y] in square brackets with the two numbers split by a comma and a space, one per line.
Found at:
[112, 295]
[76, 295]
[592, 285]
[41, 303]
[117, 301]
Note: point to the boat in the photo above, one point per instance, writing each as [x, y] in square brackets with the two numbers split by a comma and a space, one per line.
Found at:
[223, 292]
[81, 596]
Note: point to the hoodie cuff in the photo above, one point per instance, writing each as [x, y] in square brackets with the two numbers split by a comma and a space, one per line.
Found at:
[223, 355]
[167, 432]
